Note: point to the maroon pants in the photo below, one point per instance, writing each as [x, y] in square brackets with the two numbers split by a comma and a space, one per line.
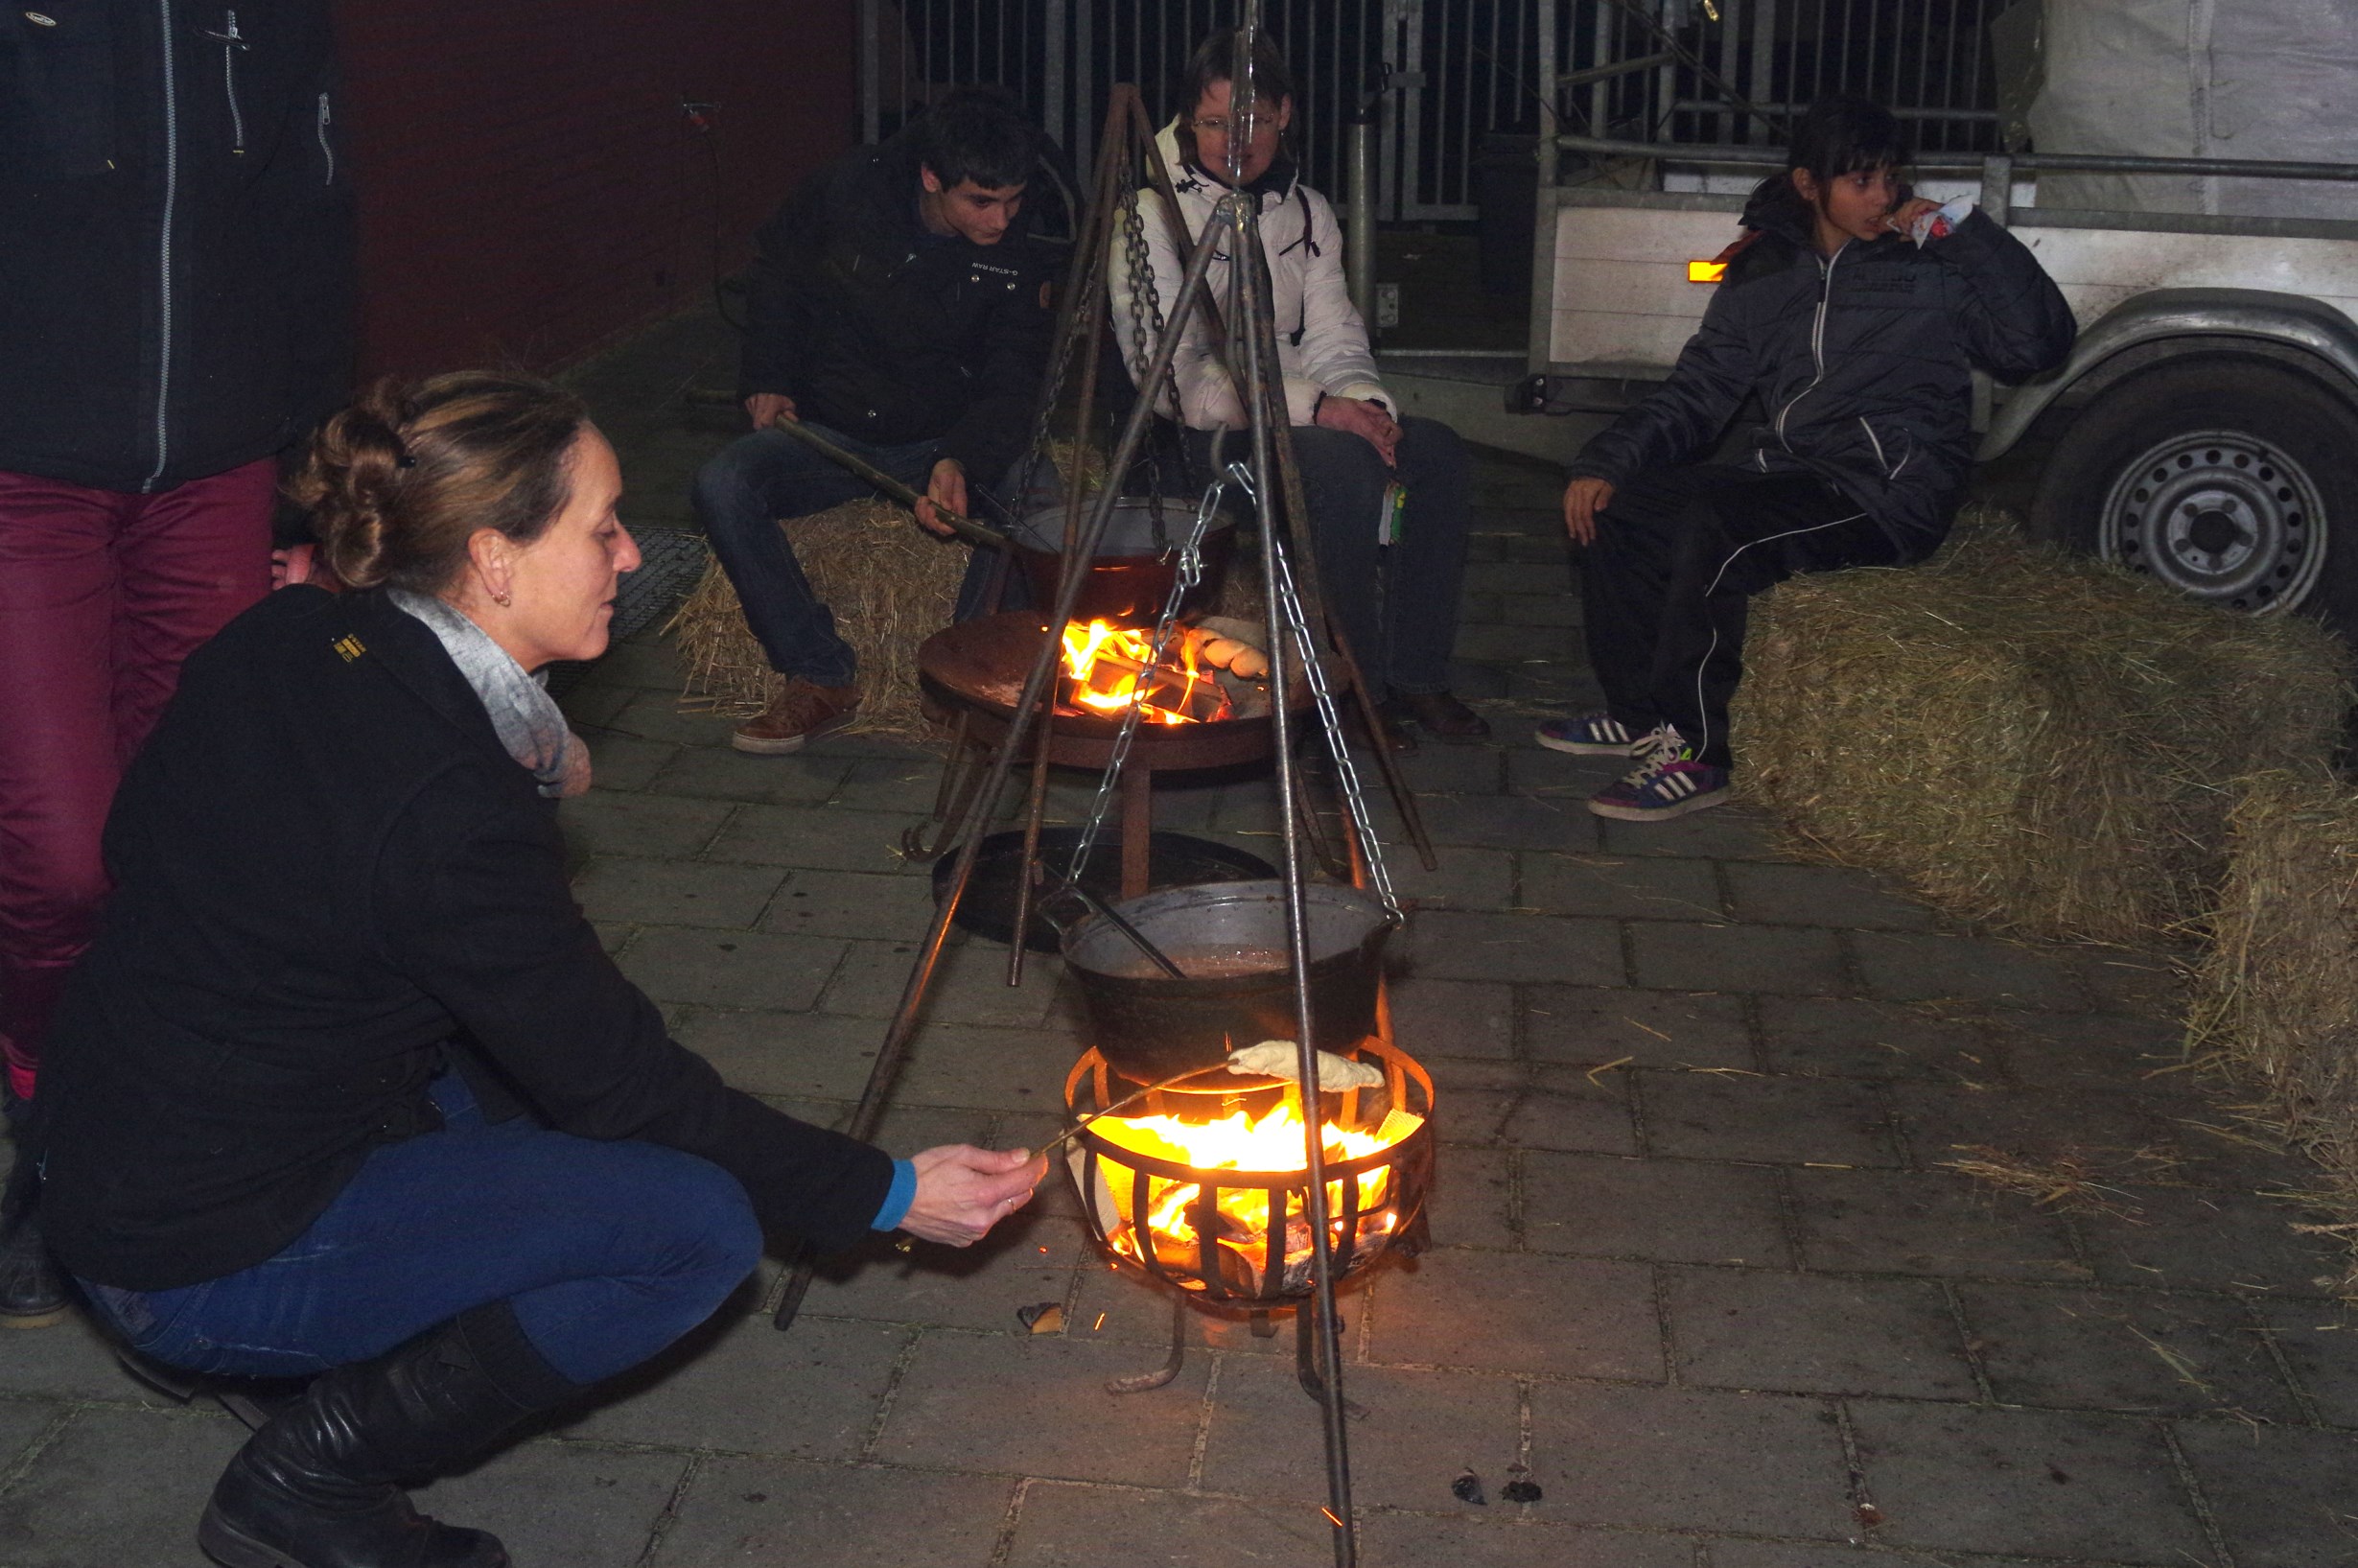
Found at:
[101, 595]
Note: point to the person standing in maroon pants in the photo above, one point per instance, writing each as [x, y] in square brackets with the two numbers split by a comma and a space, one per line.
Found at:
[176, 241]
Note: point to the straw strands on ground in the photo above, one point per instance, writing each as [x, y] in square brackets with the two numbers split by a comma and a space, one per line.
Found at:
[2277, 995]
[891, 586]
[2035, 742]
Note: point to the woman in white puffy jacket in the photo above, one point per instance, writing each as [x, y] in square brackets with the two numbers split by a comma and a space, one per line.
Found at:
[1401, 613]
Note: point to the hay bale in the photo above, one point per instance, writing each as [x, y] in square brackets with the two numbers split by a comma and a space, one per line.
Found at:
[2035, 742]
[2276, 997]
[891, 585]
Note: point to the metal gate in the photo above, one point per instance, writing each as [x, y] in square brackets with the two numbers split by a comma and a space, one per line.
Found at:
[1460, 84]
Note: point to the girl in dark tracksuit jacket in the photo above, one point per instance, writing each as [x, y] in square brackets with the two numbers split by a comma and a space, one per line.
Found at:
[1858, 317]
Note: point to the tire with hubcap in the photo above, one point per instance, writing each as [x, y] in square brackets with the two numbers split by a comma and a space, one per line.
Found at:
[2227, 480]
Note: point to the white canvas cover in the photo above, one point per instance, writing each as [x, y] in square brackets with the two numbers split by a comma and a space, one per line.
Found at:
[2222, 79]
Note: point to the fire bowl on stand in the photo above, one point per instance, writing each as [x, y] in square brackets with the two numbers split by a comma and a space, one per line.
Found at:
[975, 670]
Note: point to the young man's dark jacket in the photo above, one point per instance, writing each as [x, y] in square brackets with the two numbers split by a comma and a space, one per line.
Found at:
[885, 332]
[176, 237]
[331, 879]
[1861, 362]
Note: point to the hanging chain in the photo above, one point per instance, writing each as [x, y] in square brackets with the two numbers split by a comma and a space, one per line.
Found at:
[1354, 797]
[1145, 311]
[1190, 573]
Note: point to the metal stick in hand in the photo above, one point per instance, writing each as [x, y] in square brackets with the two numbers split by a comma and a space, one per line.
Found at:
[964, 528]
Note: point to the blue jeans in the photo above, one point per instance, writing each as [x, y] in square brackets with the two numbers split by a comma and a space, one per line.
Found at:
[607, 1252]
[742, 495]
[1398, 605]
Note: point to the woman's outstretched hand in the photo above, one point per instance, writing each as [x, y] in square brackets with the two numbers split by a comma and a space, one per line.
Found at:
[963, 1191]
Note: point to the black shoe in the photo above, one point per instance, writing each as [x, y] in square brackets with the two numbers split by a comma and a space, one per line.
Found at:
[318, 1487]
[32, 1292]
[1440, 715]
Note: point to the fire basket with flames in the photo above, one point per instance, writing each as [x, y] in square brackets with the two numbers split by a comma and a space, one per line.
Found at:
[1206, 1187]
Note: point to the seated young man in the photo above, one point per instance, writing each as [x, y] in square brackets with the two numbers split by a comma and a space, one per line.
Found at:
[1397, 601]
[1857, 315]
[898, 309]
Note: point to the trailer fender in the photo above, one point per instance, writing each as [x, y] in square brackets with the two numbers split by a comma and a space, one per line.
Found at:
[2165, 323]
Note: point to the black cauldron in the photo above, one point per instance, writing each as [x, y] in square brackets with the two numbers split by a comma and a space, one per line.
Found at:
[1230, 939]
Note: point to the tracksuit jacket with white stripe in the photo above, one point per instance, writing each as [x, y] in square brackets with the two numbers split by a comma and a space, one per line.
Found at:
[1861, 362]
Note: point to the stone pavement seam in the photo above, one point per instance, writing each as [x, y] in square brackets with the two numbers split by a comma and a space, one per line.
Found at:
[682, 1490]
[1855, 1470]
[2192, 1486]
[1969, 1342]
[892, 1391]
[1009, 1523]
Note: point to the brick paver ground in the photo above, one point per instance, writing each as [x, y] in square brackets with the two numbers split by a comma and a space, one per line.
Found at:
[1700, 1263]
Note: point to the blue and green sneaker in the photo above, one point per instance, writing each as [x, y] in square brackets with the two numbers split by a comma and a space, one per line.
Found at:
[1591, 735]
[1670, 785]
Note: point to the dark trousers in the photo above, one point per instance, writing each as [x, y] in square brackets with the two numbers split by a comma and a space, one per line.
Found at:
[1397, 604]
[1678, 555]
[759, 480]
[101, 595]
[606, 1250]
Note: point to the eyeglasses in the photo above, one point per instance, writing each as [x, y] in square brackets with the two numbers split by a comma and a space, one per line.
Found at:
[1216, 127]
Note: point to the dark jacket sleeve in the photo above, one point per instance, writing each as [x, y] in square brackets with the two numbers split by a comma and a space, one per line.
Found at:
[2015, 321]
[1681, 418]
[475, 911]
[777, 326]
[993, 432]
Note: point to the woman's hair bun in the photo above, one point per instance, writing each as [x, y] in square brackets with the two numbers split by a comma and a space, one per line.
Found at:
[350, 483]
[397, 482]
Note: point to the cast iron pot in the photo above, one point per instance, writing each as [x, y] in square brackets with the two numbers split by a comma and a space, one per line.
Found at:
[1132, 571]
[1230, 939]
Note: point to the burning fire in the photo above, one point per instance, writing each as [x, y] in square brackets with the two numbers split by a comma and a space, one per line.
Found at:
[1108, 671]
[1272, 1144]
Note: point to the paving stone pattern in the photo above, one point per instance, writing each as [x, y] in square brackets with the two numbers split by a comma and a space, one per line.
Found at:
[1702, 1269]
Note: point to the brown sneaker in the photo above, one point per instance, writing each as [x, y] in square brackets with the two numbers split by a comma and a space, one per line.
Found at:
[800, 713]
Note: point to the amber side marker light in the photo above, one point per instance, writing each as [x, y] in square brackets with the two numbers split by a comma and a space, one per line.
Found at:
[1706, 272]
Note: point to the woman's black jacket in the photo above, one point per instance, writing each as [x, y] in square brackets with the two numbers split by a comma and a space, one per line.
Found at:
[327, 868]
[176, 237]
[1861, 362]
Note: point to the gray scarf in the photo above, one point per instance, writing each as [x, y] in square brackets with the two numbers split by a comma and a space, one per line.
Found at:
[526, 718]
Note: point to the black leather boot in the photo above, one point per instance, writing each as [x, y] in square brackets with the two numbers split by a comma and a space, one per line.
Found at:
[318, 1486]
[32, 1292]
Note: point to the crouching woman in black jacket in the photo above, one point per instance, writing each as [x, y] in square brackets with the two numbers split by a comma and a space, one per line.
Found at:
[1858, 317]
[347, 1085]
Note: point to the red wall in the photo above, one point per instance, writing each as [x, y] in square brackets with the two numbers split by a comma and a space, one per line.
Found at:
[528, 187]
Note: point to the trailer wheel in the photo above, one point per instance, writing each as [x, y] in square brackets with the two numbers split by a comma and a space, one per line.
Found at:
[2232, 481]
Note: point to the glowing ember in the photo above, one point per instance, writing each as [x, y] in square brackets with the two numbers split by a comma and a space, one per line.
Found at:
[1107, 671]
[1269, 1144]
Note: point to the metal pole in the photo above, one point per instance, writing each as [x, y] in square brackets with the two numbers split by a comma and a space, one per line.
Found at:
[1248, 251]
[1253, 311]
[871, 77]
[903, 1026]
[1359, 194]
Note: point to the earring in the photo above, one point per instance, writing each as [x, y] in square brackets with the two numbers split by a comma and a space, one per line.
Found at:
[503, 601]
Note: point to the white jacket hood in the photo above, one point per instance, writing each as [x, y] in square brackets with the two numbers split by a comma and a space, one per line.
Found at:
[1322, 341]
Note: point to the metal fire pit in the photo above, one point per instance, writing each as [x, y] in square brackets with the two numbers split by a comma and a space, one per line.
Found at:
[977, 669]
[1223, 1273]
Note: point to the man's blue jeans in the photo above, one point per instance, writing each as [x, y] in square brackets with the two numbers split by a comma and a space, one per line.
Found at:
[607, 1252]
[739, 498]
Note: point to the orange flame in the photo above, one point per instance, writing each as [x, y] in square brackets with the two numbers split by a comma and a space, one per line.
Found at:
[1271, 1143]
[1110, 672]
